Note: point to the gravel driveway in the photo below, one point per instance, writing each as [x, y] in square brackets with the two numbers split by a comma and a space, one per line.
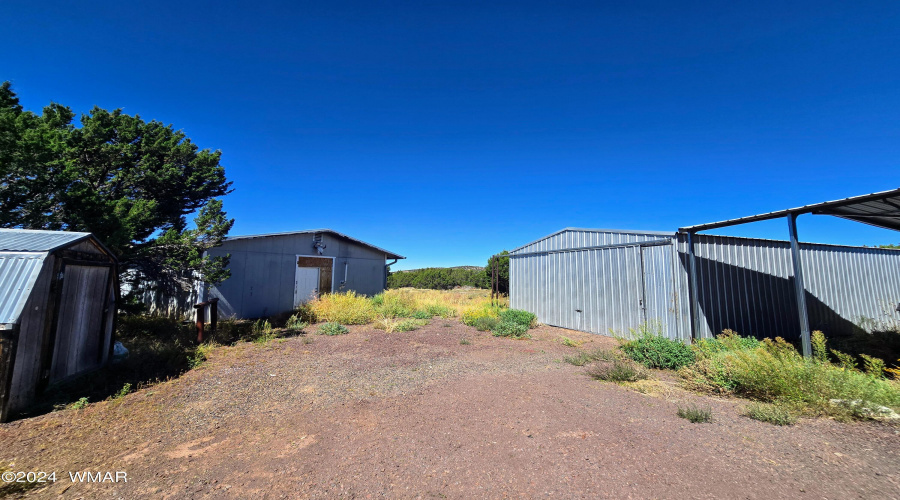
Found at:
[419, 414]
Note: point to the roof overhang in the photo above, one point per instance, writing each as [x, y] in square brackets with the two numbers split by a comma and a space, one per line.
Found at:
[877, 209]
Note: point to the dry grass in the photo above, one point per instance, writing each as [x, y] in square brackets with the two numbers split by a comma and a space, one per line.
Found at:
[344, 308]
[459, 301]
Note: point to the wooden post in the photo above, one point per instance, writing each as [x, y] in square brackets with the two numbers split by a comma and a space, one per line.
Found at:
[201, 309]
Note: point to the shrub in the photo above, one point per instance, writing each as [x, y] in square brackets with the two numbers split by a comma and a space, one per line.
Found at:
[518, 317]
[420, 314]
[486, 323]
[582, 358]
[201, 354]
[727, 341]
[295, 324]
[776, 372]
[656, 351]
[80, 404]
[617, 370]
[695, 414]
[408, 325]
[566, 341]
[398, 304]
[775, 414]
[124, 391]
[346, 308]
[470, 316]
[439, 310]
[510, 329]
[332, 328]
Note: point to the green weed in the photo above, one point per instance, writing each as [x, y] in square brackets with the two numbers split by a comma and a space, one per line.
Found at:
[332, 328]
[775, 414]
[617, 370]
[695, 414]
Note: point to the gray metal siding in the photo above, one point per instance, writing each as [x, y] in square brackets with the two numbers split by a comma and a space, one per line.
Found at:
[615, 289]
[18, 274]
[263, 270]
[746, 285]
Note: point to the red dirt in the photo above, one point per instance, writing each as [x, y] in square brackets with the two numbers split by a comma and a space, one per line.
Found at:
[417, 414]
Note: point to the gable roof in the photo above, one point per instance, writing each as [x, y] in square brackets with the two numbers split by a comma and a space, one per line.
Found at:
[390, 255]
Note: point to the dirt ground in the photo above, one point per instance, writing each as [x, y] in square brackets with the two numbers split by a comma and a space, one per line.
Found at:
[419, 414]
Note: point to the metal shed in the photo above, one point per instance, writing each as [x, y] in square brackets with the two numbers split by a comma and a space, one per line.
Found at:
[57, 310]
[275, 273]
[609, 281]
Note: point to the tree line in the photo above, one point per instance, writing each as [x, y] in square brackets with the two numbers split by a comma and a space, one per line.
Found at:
[131, 182]
[445, 278]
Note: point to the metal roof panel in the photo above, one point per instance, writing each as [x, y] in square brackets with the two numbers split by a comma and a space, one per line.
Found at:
[18, 274]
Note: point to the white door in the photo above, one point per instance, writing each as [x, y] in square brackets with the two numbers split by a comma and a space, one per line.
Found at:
[306, 285]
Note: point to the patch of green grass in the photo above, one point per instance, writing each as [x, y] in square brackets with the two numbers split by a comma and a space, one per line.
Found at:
[408, 325]
[420, 314]
[617, 370]
[695, 414]
[772, 413]
[333, 329]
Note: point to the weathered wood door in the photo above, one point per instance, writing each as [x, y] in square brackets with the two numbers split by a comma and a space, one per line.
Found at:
[79, 332]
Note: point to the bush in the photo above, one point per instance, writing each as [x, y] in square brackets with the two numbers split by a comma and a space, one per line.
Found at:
[695, 414]
[519, 317]
[727, 341]
[775, 414]
[332, 328]
[510, 329]
[486, 324]
[408, 325]
[397, 304]
[346, 308]
[470, 316]
[656, 351]
[618, 370]
[776, 372]
[295, 324]
[422, 315]
[439, 310]
[582, 358]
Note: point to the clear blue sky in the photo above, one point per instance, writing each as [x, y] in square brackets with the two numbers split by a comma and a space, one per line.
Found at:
[449, 131]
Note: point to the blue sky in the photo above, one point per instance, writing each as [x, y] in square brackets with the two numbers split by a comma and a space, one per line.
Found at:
[447, 131]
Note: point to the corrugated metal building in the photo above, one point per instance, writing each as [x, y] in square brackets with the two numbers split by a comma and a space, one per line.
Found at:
[275, 273]
[57, 310]
[605, 281]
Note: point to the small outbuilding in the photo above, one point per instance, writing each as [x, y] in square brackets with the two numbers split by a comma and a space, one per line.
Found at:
[57, 311]
[276, 273]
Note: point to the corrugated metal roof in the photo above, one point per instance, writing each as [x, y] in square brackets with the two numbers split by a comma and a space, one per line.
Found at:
[37, 240]
[18, 273]
[390, 255]
[880, 209]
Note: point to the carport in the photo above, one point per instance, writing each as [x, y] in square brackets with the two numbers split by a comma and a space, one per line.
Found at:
[877, 209]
